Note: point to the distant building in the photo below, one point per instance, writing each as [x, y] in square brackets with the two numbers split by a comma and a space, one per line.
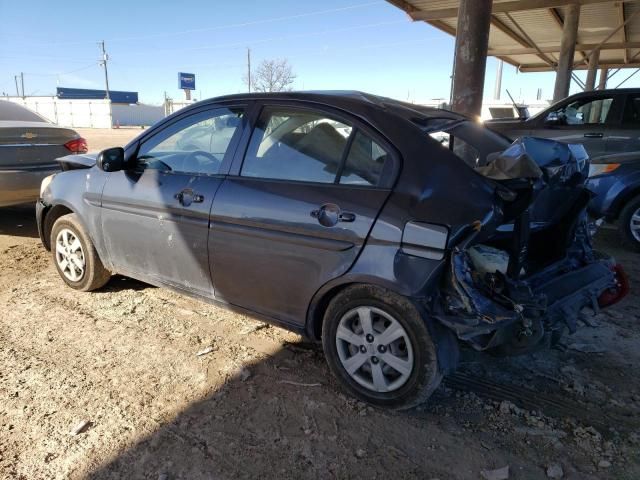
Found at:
[87, 94]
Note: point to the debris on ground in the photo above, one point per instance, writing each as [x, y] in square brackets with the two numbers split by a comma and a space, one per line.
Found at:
[244, 374]
[80, 427]
[205, 351]
[555, 471]
[497, 474]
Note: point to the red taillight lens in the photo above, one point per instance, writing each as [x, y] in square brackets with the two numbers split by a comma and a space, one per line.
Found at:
[77, 145]
[614, 295]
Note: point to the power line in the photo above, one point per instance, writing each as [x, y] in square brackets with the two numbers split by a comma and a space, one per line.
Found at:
[272, 39]
[231, 25]
[86, 67]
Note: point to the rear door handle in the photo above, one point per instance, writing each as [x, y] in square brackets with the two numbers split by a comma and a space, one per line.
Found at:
[593, 135]
[330, 214]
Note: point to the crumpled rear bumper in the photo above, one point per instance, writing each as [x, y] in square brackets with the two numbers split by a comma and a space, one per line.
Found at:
[543, 304]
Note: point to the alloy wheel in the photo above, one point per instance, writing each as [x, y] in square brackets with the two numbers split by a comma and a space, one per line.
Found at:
[634, 225]
[374, 349]
[69, 255]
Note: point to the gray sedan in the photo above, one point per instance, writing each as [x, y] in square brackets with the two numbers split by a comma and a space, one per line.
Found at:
[29, 146]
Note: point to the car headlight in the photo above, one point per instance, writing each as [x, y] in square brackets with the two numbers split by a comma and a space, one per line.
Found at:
[45, 183]
[602, 168]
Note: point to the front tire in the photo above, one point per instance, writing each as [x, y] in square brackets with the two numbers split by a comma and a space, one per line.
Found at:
[75, 257]
[629, 224]
[379, 348]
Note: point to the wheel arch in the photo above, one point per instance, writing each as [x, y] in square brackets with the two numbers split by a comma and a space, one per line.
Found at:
[622, 200]
[50, 215]
[320, 301]
[448, 349]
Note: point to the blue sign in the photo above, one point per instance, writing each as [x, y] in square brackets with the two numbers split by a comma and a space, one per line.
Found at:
[187, 81]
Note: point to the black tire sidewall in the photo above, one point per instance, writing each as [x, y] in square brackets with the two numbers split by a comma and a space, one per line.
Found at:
[425, 376]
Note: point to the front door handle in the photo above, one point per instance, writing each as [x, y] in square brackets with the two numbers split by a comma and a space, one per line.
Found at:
[187, 196]
[593, 135]
[347, 217]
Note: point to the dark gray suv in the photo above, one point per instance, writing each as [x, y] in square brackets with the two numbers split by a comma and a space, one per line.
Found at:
[606, 122]
[347, 218]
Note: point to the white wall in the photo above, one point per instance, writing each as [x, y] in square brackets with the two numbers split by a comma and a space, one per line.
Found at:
[69, 113]
[136, 115]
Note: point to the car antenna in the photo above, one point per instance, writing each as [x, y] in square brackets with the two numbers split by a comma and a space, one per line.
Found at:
[515, 105]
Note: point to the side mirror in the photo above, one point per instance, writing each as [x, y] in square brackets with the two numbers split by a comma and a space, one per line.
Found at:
[111, 159]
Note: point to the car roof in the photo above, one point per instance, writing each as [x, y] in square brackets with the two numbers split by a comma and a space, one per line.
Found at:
[351, 100]
[10, 111]
[609, 91]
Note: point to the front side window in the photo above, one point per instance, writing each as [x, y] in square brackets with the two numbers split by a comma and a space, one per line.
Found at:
[309, 146]
[631, 116]
[196, 144]
[584, 112]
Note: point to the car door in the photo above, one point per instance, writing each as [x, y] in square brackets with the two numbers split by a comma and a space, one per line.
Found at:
[155, 215]
[625, 134]
[296, 209]
[582, 120]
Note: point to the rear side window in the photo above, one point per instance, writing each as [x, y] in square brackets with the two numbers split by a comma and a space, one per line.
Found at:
[365, 162]
[309, 146]
[462, 149]
[631, 116]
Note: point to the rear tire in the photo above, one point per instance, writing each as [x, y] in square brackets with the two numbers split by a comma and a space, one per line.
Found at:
[379, 348]
[75, 257]
[629, 224]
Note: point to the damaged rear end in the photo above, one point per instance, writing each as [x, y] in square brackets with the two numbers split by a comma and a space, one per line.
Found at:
[519, 286]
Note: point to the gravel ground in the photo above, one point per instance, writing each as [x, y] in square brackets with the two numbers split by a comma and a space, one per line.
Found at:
[122, 364]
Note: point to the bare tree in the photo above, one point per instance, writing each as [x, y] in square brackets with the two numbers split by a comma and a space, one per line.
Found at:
[272, 76]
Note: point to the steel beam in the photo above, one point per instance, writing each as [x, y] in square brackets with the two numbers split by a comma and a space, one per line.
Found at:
[603, 79]
[594, 59]
[578, 66]
[567, 52]
[509, 6]
[556, 48]
[472, 43]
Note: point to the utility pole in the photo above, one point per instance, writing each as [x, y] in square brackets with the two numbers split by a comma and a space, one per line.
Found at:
[15, 77]
[22, 82]
[249, 69]
[103, 63]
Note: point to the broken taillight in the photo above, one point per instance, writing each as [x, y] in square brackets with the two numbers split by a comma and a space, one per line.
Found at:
[77, 145]
[615, 294]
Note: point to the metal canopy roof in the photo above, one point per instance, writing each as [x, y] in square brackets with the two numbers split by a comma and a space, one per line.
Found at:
[527, 33]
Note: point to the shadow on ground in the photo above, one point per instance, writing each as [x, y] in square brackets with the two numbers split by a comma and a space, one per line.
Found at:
[19, 221]
[284, 418]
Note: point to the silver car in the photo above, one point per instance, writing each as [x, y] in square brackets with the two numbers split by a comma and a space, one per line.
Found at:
[29, 146]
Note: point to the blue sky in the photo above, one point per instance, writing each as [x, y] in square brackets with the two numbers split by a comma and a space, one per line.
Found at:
[351, 44]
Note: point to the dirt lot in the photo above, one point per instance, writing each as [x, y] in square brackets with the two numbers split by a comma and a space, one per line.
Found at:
[262, 404]
[99, 138]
